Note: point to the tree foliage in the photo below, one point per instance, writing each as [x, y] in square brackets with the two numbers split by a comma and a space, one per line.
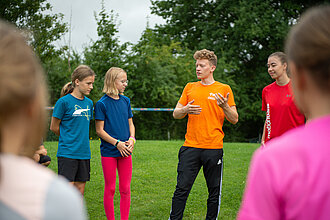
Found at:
[242, 33]
[58, 73]
[106, 51]
[41, 28]
[158, 74]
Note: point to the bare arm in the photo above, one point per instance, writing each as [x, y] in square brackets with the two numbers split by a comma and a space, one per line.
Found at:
[231, 114]
[55, 125]
[263, 134]
[130, 142]
[124, 151]
[181, 111]
[229, 111]
[131, 127]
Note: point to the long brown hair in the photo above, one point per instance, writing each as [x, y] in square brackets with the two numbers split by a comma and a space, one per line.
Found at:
[67, 88]
[308, 45]
[80, 73]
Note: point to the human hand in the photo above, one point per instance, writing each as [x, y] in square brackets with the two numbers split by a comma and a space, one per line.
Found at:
[130, 145]
[262, 144]
[36, 157]
[41, 151]
[192, 109]
[222, 101]
[123, 149]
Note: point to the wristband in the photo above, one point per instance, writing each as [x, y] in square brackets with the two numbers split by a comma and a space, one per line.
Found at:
[132, 138]
[117, 143]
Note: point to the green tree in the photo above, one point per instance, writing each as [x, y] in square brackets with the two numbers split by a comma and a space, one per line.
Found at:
[157, 75]
[41, 27]
[106, 51]
[58, 73]
[242, 33]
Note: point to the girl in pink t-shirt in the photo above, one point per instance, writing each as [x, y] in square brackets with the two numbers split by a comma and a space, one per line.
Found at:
[289, 179]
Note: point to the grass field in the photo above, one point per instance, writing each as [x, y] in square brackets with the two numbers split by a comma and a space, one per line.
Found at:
[154, 180]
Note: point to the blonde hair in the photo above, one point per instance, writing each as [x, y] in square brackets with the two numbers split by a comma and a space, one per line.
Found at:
[80, 73]
[206, 54]
[22, 83]
[308, 45]
[111, 75]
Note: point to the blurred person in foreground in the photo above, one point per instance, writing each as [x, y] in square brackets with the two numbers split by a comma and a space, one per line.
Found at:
[289, 179]
[27, 190]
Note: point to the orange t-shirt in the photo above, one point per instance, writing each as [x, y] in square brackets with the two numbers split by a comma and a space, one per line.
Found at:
[205, 130]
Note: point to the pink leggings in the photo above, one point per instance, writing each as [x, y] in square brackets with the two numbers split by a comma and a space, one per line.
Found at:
[124, 166]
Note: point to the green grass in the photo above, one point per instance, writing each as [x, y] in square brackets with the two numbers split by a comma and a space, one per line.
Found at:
[154, 180]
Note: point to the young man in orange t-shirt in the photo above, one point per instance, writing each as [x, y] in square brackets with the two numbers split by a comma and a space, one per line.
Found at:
[207, 103]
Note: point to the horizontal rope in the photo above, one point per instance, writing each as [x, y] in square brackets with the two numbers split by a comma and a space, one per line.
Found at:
[153, 109]
[140, 109]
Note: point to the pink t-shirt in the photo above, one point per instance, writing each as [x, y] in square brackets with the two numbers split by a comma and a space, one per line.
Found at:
[281, 111]
[290, 178]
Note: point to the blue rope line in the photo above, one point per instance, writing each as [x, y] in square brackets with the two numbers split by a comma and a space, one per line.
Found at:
[140, 109]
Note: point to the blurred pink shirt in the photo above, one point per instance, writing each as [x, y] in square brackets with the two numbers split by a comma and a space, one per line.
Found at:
[290, 178]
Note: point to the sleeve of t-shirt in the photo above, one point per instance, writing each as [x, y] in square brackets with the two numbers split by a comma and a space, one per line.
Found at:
[231, 101]
[130, 114]
[91, 108]
[259, 201]
[100, 111]
[184, 98]
[64, 202]
[263, 107]
[59, 109]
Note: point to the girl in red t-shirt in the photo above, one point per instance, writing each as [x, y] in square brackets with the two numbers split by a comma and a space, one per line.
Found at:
[277, 100]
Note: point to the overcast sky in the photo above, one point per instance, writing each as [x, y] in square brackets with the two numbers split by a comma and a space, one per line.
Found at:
[132, 15]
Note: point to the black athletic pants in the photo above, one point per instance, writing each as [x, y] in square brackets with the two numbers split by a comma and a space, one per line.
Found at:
[190, 161]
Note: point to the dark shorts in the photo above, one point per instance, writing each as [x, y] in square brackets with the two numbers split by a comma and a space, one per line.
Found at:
[74, 170]
[44, 159]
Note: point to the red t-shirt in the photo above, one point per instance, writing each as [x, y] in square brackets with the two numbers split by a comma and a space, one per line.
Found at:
[281, 111]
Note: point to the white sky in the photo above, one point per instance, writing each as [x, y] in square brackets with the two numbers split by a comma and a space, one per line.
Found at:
[132, 19]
